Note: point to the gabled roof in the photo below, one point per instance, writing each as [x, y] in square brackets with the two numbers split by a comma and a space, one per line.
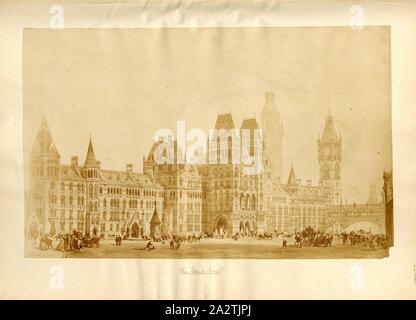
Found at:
[44, 144]
[249, 124]
[68, 172]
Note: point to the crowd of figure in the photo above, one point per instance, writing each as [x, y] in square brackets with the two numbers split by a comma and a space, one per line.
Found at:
[308, 237]
[74, 241]
[360, 238]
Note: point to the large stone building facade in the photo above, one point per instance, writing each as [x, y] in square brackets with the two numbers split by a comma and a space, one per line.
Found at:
[188, 198]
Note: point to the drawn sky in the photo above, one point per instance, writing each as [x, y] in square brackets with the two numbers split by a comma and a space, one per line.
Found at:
[121, 85]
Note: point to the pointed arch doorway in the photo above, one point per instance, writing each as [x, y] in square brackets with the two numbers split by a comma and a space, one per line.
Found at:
[221, 224]
[135, 230]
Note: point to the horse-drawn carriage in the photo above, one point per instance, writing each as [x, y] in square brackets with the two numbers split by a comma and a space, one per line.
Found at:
[45, 242]
[265, 236]
[90, 242]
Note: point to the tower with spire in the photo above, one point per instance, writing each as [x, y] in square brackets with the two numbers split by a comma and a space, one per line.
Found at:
[92, 173]
[329, 158]
[44, 165]
[272, 132]
[91, 168]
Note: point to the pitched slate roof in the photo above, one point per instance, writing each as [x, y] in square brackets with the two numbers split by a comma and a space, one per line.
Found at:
[224, 121]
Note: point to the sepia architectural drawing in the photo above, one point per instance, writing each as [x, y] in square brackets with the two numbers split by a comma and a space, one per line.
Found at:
[185, 199]
[230, 193]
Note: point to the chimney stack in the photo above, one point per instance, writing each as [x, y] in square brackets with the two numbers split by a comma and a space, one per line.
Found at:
[129, 168]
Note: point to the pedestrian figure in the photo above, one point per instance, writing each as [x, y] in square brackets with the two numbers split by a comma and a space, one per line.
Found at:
[372, 244]
[284, 244]
[149, 246]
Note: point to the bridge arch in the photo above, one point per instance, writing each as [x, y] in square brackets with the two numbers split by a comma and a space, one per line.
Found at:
[366, 226]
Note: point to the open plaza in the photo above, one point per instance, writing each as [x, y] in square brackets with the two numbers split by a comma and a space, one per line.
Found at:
[244, 248]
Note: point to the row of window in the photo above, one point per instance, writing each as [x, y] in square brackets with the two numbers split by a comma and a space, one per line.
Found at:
[51, 171]
[71, 186]
[80, 200]
[189, 218]
[71, 226]
[173, 182]
[93, 190]
[306, 211]
[71, 215]
[189, 227]
[131, 191]
[183, 194]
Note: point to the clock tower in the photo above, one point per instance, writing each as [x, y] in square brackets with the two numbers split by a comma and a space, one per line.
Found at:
[329, 157]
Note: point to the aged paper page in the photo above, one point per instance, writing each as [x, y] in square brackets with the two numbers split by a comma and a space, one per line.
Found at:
[194, 150]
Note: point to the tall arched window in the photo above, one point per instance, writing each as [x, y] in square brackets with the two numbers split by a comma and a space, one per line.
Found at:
[242, 202]
[337, 171]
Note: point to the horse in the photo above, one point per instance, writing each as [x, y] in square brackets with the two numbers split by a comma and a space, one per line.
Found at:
[298, 241]
[174, 245]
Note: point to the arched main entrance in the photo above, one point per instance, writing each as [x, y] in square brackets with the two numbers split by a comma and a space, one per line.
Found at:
[221, 224]
[135, 230]
[247, 228]
[241, 227]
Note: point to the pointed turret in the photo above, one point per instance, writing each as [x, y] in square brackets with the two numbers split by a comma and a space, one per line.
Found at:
[270, 107]
[292, 176]
[155, 218]
[91, 167]
[44, 145]
[329, 134]
[272, 129]
[43, 165]
[154, 223]
[90, 158]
